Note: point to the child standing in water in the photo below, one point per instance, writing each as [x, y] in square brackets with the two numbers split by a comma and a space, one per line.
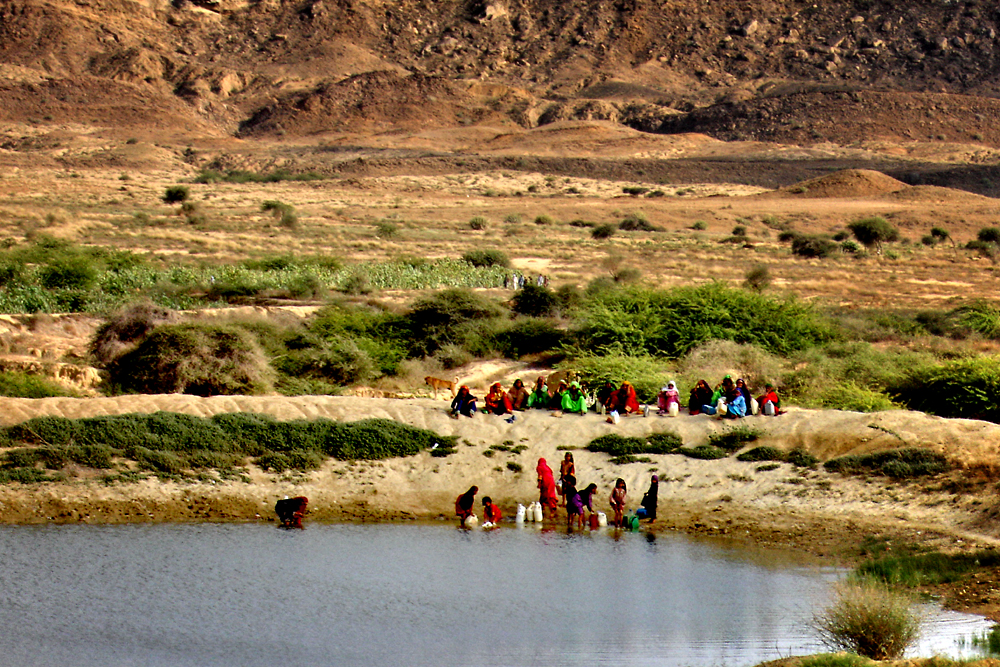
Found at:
[566, 469]
[618, 501]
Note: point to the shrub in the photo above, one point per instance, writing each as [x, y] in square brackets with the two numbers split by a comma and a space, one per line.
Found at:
[901, 463]
[812, 246]
[486, 257]
[801, 458]
[616, 445]
[980, 317]
[382, 439]
[201, 359]
[940, 233]
[514, 466]
[763, 453]
[512, 218]
[636, 222]
[873, 232]
[125, 328]
[478, 223]
[699, 226]
[739, 230]
[340, 360]
[788, 236]
[645, 373]
[176, 194]
[635, 321]
[602, 232]
[535, 301]
[988, 235]
[23, 385]
[869, 620]
[734, 437]
[449, 317]
[53, 431]
[850, 247]
[965, 388]
[704, 452]
[758, 278]
[545, 220]
[851, 396]
[386, 230]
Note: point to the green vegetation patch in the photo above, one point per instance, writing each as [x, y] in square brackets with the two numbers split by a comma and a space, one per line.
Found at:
[927, 569]
[734, 437]
[901, 463]
[664, 442]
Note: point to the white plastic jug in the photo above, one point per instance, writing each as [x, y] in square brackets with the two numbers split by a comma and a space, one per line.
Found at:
[530, 515]
[720, 407]
[520, 513]
[769, 408]
[754, 407]
[471, 521]
[614, 417]
[602, 519]
[674, 409]
[538, 512]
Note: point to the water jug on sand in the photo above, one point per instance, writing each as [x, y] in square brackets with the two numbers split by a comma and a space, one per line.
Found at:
[538, 512]
[602, 519]
[471, 521]
[595, 523]
[754, 407]
[519, 518]
[674, 409]
[530, 516]
[769, 408]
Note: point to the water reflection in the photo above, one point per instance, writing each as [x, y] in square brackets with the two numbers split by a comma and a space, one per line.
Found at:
[415, 595]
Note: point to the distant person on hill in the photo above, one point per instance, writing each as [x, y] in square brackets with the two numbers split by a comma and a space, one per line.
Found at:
[770, 404]
[700, 395]
[491, 513]
[618, 501]
[497, 402]
[548, 497]
[464, 403]
[573, 400]
[518, 395]
[540, 396]
[567, 468]
[648, 505]
[465, 503]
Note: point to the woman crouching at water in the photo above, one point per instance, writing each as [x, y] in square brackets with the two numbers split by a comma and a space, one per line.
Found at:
[465, 503]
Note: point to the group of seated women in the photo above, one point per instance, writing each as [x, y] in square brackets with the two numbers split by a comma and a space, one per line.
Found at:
[729, 399]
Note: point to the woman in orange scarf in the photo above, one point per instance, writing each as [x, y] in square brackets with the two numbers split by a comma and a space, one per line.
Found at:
[496, 401]
[625, 400]
[546, 486]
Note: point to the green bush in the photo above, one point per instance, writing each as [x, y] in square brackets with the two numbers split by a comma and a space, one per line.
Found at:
[176, 194]
[979, 316]
[989, 235]
[636, 222]
[243, 176]
[478, 223]
[450, 316]
[812, 246]
[381, 439]
[200, 359]
[848, 395]
[734, 437]
[73, 272]
[125, 328]
[602, 232]
[53, 431]
[525, 336]
[535, 301]
[646, 373]
[616, 445]
[801, 458]
[903, 463]
[965, 388]
[758, 278]
[762, 453]
[635, 321]
[869, 620]
[487, 257]
[23, 385]
[704, 452]
[545, 220]
[873, 232]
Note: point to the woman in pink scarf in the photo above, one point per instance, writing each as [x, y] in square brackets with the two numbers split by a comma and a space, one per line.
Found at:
[546, 486]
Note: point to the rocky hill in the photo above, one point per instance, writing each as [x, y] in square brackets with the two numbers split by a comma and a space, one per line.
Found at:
[736, 70]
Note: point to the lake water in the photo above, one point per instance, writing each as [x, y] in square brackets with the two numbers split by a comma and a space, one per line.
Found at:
[247, 595]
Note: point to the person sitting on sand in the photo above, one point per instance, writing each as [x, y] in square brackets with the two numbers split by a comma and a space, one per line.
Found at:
[465, 503]
[464, 403]
[604, 396]
[668, 396]
[625, 400]
[769, 403]
[497, 402]
[648, 505]
[573, 400]
[700, 395]
[722, 389]
[518, 395]
[491, 513]
[618, 501]
[555, 401]
[547, 495]
[566, 468]
[540, 396]
[744, 389]
[736, 405]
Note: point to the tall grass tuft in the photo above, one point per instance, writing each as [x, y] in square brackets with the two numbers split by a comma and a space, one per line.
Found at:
[869, 620]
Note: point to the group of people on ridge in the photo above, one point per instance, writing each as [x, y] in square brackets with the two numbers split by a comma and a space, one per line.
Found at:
[552, 494]
[728, 399]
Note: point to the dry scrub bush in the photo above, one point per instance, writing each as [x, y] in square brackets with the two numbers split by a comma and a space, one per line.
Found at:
[717, 358]
[869, 620]
[126, 328]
